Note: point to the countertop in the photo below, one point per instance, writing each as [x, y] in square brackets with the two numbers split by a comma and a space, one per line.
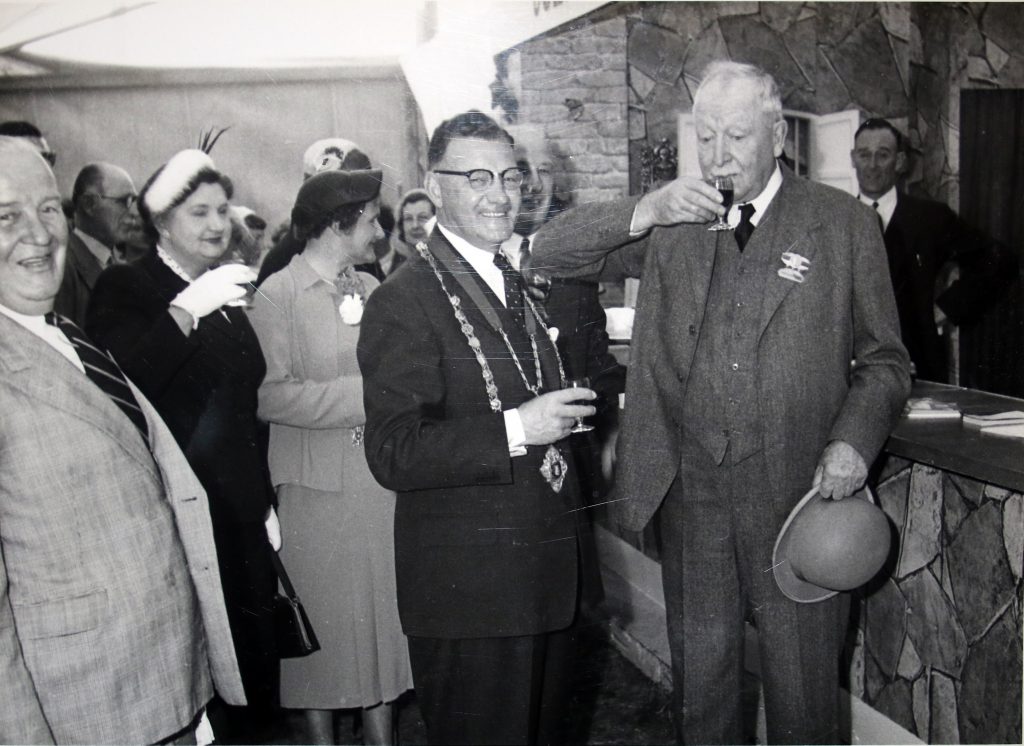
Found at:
[949, 445]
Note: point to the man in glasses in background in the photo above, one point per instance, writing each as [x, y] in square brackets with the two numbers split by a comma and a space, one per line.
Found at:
[466, 420]
[102, 199]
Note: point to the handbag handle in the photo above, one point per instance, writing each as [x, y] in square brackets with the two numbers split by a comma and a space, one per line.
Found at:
[282, 574]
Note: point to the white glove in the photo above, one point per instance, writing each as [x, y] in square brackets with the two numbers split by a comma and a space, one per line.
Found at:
[273, 530]
[214, 288]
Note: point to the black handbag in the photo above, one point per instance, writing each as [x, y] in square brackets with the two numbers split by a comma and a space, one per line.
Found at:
[295, 635]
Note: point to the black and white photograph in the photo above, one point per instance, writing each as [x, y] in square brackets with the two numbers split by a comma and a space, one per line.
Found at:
[486, 372]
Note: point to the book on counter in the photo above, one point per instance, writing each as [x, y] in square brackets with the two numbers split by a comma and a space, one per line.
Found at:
[926, 408]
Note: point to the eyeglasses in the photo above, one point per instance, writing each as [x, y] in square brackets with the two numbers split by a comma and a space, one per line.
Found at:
[480, 179]
[125, 201]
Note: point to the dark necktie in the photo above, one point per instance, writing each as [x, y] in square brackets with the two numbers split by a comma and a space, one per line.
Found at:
[524, 252]
[745, 227]
[878, 215]
[514, 300]
[103, 371]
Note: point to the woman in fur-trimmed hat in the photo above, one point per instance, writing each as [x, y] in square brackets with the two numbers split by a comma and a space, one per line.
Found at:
[171, 322]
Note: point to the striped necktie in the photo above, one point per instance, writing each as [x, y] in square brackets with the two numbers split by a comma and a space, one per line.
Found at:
[103, 371]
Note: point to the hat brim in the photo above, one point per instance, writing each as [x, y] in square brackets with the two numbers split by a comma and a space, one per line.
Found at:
[793, 587]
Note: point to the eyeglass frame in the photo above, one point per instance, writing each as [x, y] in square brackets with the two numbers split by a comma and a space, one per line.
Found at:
[126, 201]
[491, 176]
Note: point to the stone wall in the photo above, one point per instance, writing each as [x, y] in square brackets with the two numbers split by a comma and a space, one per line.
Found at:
[574, 83]
[956, 46]
[939, 641]
[634, 67]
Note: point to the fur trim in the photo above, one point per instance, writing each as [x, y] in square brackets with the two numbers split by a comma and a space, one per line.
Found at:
[175, 175]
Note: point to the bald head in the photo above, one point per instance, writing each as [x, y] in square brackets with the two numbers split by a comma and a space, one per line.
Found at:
[102, 196]
[33, 235]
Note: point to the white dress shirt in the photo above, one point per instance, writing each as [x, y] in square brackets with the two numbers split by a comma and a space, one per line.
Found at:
[886, 205]
[46, 332]
[512, 246]
[760, 202]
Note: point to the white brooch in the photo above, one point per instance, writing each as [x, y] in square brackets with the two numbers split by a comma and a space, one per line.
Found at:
[795, 267]
[553, 334]
[351, 309]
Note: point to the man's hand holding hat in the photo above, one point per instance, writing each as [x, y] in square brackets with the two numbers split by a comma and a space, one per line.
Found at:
[841, 471]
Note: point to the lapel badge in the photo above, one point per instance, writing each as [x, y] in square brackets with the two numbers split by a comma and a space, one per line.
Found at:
[553, 468]
[795, 267]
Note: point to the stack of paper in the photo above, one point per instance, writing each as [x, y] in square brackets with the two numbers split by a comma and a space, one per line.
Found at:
[1006, 424]
[1006, 431]
[997, 419]
[930, 409]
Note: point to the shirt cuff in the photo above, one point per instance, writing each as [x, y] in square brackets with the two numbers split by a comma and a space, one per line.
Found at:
[514, 433]
[633, 233]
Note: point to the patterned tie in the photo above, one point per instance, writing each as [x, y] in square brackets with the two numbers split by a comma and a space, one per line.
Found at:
[103, 371]
[745, 227]
[514, 300]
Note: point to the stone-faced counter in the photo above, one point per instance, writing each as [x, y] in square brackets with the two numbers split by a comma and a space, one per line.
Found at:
[938, 643]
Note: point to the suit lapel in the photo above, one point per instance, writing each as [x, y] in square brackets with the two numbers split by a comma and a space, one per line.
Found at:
[44, 374]
[84, 262]
[785, 229]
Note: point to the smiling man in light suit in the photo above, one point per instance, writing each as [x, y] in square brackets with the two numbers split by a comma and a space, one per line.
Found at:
[112, 619]
[764, 360]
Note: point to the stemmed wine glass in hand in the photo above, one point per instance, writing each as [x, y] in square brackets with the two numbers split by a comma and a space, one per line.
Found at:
[579, 383]
[724, 185]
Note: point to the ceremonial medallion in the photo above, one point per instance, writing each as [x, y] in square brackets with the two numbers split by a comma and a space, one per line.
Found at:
[553, 468]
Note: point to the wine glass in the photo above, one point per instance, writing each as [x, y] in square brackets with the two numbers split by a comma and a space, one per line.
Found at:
[246, 300]
[724, 186]
[579, 383]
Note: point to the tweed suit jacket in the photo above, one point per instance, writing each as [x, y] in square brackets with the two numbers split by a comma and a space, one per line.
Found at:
[81, 270]
[808, 334]
[112, 620]
[483, 546]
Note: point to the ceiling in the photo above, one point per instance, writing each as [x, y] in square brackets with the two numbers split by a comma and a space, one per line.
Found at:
[63, 35]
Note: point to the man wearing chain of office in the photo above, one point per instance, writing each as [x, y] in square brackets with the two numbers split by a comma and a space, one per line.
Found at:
[467, 419]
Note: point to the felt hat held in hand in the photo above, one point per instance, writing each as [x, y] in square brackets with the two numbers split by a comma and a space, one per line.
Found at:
[827, 546]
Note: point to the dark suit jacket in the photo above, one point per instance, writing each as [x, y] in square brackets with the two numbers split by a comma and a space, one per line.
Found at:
[112, 618]
[81, 270]
[374, 269]
[920, 239]
[808, 334]
[204, 385]
[574, 308]
[279, 256]
[483, 546]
